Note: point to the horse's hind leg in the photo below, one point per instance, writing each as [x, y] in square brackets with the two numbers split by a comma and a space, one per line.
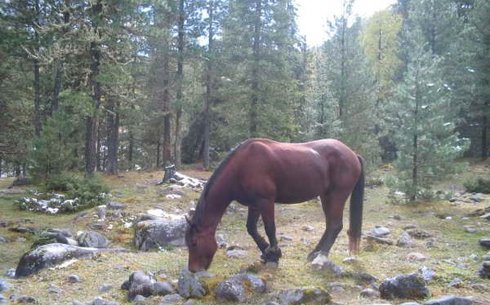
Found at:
[333, 207]
[253, 217]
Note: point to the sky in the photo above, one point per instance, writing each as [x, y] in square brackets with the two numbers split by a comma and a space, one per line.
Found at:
[313, 15]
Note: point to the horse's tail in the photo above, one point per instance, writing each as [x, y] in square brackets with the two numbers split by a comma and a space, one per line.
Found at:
[356, 202]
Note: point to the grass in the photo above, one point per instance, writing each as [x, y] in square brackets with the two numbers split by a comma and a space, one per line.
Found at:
[451, 256]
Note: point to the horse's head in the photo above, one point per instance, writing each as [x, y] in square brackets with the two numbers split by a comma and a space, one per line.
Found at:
[202, 247]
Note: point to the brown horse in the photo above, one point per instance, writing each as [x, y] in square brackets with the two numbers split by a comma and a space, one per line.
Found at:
[260, 172]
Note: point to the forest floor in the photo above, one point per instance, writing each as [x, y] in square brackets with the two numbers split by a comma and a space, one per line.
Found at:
[454, 253]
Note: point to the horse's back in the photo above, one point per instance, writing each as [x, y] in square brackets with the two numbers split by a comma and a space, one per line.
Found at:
[292, 172]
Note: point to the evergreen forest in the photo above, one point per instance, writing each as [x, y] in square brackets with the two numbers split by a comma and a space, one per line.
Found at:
[115, 85]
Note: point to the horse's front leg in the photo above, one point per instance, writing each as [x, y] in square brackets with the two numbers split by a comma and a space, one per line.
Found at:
[273, 252]
[252, 218]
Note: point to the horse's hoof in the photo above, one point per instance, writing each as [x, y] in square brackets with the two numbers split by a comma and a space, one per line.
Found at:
[272, 254]
[313, 255]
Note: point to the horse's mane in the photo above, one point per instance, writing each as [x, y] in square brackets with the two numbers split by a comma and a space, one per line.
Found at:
[201, 204]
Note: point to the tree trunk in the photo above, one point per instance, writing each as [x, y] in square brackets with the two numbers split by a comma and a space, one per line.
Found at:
[167, 114]
[484, 137]
[254, 101]
[130, 150]
[180, 78]
[209, 87]
[58, 78]
[91, 121]
[37, 78]
[112, 136]
[413, 195]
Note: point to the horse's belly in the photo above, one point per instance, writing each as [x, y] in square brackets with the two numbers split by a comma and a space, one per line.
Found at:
[298, 193]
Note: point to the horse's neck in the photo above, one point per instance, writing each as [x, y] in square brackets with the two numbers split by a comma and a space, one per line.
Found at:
[215, 203]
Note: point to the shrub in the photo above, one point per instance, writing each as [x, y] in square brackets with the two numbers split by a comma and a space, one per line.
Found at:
[480, 185]
[78, 193]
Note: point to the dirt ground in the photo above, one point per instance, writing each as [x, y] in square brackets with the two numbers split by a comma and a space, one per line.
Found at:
[450, 252]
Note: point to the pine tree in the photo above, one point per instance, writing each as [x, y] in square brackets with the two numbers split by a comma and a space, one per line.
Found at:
[423, 124]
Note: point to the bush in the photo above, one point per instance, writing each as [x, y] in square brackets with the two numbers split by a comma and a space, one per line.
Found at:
[480, 185]
[78, 193]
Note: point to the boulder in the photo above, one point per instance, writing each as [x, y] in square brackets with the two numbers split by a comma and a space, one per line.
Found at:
[239, 287]
[418, 234]
[484, 271]
[411, 286]
[54, 254]
[449, 300]
[4, 286]
[297, 296]
[101, 301]
[322, 263]
[369, 293]
[113, 205]
[405, 241]
[379, 231]
[139, 283]
[190, 285]
[171, 299]
[485, 242]
[163, 288]
[427, 273]
[92, 239]
[416, 256]
[153, 234]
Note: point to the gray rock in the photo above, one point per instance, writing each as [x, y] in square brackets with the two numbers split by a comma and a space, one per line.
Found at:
[485, 242]
[416, 256]
[163, 288]
[470, 229]
[113, 205]
[152, 234]
[235, 288]
[418, 234]
[54, 289]
[190, 285]
[101, 211]
[10, 272]
[105, 287]
[139, 283]
[322, 263]
[171, 299]
[456, 283]
[369, 293]
[379, 231]
[4, 286]
[405, 241]
[427, 273]
[93, 239]
[379, 240]
[310, 295]
[2, 239]
[25, 299]
[484, 271]
[449, 300]
[3, 300]
[73, 278]
[410, 303]
[411, 286]
[485, 216]
[229, 290]
[101, 301]
[139, 298]
[236, 253]
[221, 241]
[53, 254]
